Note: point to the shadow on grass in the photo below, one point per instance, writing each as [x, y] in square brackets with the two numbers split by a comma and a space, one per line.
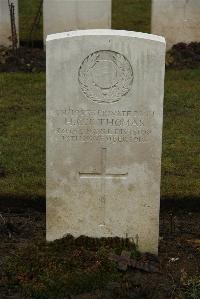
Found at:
[184, 203]
[38, 203]
[23, 202]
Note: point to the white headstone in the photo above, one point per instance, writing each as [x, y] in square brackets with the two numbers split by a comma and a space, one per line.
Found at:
[176, 20]
[66, 15]
[5, 24]
[104, 134]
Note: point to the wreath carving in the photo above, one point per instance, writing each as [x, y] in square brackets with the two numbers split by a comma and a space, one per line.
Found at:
[105, 76]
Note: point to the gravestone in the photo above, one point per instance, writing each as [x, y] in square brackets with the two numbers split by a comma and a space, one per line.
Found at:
[104, 135]
[66, 15]
[5, 23]
[176, 20]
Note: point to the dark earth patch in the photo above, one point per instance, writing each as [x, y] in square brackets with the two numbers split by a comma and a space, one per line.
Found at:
[81, 268]
[25, 60]
[184, 55]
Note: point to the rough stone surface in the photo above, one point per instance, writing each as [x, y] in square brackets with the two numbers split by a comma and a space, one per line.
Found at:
[104, 135]
[5, 26]
[176, 20]
[66, 15]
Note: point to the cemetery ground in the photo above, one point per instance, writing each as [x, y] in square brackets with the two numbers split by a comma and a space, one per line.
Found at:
[68, 268]
[81, 268]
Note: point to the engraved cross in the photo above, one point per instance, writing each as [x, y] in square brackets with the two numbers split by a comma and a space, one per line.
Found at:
[103, 175]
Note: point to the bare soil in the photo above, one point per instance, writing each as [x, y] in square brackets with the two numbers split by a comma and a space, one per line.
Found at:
[22, 226]
[24, 60]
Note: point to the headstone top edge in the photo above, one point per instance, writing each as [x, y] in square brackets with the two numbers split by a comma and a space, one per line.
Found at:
[106, 32]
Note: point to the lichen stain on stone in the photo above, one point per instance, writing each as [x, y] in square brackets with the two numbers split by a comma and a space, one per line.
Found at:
[131, 187]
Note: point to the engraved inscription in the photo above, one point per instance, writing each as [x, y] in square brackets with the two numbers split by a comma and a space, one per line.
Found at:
[104, 126]
[102, 175]
[105, 76]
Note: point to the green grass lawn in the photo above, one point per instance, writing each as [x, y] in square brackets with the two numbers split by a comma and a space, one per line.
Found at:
[131, 15]
[27, 12]
[22, 134]
[181, 138]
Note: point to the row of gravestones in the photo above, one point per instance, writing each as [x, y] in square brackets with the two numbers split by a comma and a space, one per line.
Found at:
[176, 20]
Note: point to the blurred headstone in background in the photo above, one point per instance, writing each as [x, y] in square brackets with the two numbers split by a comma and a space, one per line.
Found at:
[66, 15]
[176, 20]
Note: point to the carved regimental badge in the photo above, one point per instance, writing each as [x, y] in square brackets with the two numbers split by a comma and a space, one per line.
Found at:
[105, 76]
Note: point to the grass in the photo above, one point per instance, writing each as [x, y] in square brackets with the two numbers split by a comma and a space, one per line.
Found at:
[192, 288]
[22, 134]
[181, 160]
[131, 15]
[27, 12]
